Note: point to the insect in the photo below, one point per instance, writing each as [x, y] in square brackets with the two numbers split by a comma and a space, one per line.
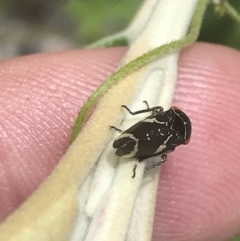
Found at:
[158, 134]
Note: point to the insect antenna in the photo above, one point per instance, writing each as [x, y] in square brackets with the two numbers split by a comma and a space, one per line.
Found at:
[116, 129]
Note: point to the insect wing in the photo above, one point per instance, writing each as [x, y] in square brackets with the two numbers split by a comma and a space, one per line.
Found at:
[142, 139]
[126, 143]
[156, 136]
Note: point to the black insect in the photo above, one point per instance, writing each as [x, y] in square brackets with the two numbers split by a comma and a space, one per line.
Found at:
[156, 135]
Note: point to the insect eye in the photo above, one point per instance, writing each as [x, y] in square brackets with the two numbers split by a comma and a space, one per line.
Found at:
[178, 125]
[182, 124]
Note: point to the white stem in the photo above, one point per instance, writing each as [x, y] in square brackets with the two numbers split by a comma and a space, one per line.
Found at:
[162, 28]
[114, 193]
[140, 20]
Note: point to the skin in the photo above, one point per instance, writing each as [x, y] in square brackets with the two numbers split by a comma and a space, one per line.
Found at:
[199, 197]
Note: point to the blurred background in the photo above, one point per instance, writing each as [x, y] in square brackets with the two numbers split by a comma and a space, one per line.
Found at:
[32, 26]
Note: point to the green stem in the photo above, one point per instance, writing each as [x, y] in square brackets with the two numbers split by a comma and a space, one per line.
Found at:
[139, 62]
[110, 41]
[231, 12]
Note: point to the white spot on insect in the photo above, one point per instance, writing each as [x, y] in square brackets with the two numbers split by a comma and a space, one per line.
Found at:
[148, 138]
[154, 120]
[135, 149]
[165, 142]
[161, 122]
[160, 148]
[126, 135]
[150, 120]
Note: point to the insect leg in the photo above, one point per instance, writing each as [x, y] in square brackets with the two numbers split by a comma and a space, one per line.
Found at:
[135, 112]
[154, 110]
[163, 159]
[146, 104]
[134, 171]
[115, 128]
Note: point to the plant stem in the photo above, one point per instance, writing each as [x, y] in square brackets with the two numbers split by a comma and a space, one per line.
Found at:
[231, 12]
[140, 62]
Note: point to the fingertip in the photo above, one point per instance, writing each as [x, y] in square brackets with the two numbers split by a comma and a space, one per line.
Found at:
[199, 187]
[40, 97]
